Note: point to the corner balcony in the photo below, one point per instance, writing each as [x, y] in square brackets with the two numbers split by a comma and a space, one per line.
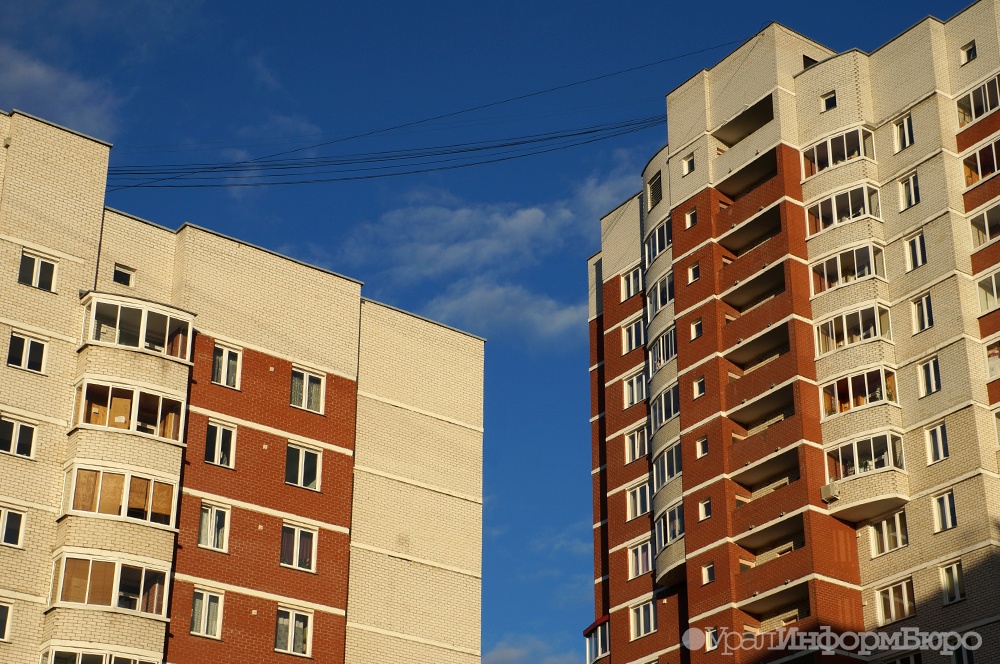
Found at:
[670, 563]
[760, 521]
[868, 494]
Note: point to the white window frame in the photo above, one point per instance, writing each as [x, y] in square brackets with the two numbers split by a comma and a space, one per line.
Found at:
[293, 613]
[691, 218]
[636, 445]
[640, 559]
[694, 272]
[133, 422]
[916, 251]
[220, 430]
[704, 509]
[929, 373]
[666, 466]
[664, 407]
[711, 638]
[865, 455]
[27, 344]
[923, 313]
[296, 548]
[123, 500]
[698, 387]
[16, 428]
[697, 328]
[222, 353]
[127, 272]
[300, 470]
[828, 101]
[640, 501]
[662, 350]
[967, 53]
[660, 295]
[701, 447]
[5, 513]
[983, 97]
[631, 283]
[852, 328]
[669, 526]
[820, 271]
[937, 443]
[6, 610]
[598, 643]
[985, 227]
[658, 241]
[36, 270]
[707, 573]
[307, 375]
[952, 582]
[909, 191]
[634, 389]
[214, 510]
[945, 514]
[99, 331]
[825, 154]
[886, 379]
[903, 132]
[889, 533]
[643, 619]
[203, 628]
[632, 335]
[116, 594]
[687, 164]
[886, 596]
[841, 208]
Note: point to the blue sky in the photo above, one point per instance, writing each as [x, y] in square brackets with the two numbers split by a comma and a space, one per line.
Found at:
[497, 249]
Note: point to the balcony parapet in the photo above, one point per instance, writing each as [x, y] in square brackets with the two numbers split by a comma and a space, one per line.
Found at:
[670, 563]
[868, 494]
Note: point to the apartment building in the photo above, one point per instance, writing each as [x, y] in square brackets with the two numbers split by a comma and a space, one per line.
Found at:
[795, 356]
[210, 452]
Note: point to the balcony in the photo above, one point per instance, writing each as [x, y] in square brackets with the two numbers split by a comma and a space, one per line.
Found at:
[746, 123]
[668, 494]
[740, 327]
[760, 522]
[771, 575]
[765, 411]
[670, 563]
[750, 475]
[759, 289]
[755, 245]
[869, 494]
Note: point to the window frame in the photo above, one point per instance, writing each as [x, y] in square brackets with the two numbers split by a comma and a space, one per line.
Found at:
[874, 256]
[664, 407]
[224, 365]
[848, 458]
[989, 99]
[701, 447]
[669, 469]
[660, 295]
[298, 530]
[632, 283]
[658, 241]
[916, 251]
[207, 594]
[655, 186]
[59, 582]
[306, 375]
[923, 313]
[697, 328]
[889, 536]
[711, 638]
[300, 474]
[985, 227]
[694, 272]
[662, 350]
[636, 445]
[903, 132]
[936, 437]
[704, 509]
[178, 337]
[687, 164]
[72, 483]
[669, 526]
[214, 509]
[129, 273]
[691, 218]
[293, 613]
[640, 563]
[839, 208]
[217, 444]
[598, 643]
[906, 596]
[6, 611]
[5, 513]
[642, 619]
[886, 389]
[849, 329]
[16, 427]
[698, 387]
[28, 342]
[826, 152]
[634, 389]
[639, 501]
[132, 421]
[952, 582]
[945, 511]
[828, 101]
[929, 376]
[708, 573]
[967, 53]
[633, 335]
[38, 259]
[909, 191]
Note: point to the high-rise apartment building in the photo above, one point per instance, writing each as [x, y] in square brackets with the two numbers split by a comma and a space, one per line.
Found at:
[795, 355]
[213, 453]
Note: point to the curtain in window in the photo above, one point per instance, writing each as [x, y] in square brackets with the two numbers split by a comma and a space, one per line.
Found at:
[314, 393]
[305, 549]
[281, 632]
[297, 388]
[212, 621]
[287, 545]
[231, 369]
[197, 606]
[301, 634]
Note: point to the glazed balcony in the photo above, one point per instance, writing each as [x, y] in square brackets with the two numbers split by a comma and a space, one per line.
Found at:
[868, 494]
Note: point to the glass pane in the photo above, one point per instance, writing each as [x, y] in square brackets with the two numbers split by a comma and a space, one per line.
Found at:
[120, 413]
[305, 549]
[12, 529]
[149, 412]
[210, 439]
[287, 545]
[35, 353]
[46, 272]
[873, 204]
[156, 332]
[292, 465]
[138, 498]
[853, 140]
[297, 388]
[91, 658]
[170, 419]
[853, 327]
[822, 156]
[95, 407]
[314, 393]
[177, 341]
[15, 351]
[61, 657]
[212, 621]
[85, 496]
[75, 580]
[197, 608]
[227, 444]
[231, 368]
[112, 489]
[301, 634]
[129, 587]
[838, 149]
[6, 435]
[310, 469]
[204, 526]
[219, 530]
[281, 631]
[129, 322]
[826, 213]
[152, 592]
[26, 271]
[163, 499]
[25, 437]
[102, 583]
[847, 460]
[993, 222]
[105, 322]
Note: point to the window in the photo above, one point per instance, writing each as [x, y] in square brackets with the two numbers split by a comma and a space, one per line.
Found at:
[696, 329]
[631, 283]
[923, 313]
[838, 149]
[896, 602]
[655, 190]
[952, 584]
[658, 241]
[25, 353]
[841, 208]
[37, 271]
[909, 192]
[864, 456]
[666, 466]
[136, 326]
[981, 101]
[291, 634]
[212, 527]
[130, 409]
[220, 444]
[638, 501]
[307, 390]
[858, 390]
[707, 573]
[690, 217]
[635, 389]
[124, 494]
[16, 438]
[699, 387]
[662, 350]
[889, 534]
[664, 407]
[986, 226]
[937, 443]
[853, 328]
[111, 583]
[847, 267]
[930, 376]
[11, 527]
[961, 656]
[687, 164]
[903, 131]
[643, 619]
[981, 164]
[989, 289]
[694, 273]
[597, 643]
[711, 638]
[705, 509]
[916, 252]
[640, 559]
[701, 447]
[636, 445]
[226, 366]
[4, 622]
[669, 527]
[123, 276]
[992, 366]
[632, 336]
[661, 294]
[298, 547]
[64, 656]
[206, 613]
[968, 52]
[945, 517]
[828, 102]
[302, 467]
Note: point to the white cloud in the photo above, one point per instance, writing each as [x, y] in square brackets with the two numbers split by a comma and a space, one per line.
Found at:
[528, 650]
[60, 96]
[575, 539]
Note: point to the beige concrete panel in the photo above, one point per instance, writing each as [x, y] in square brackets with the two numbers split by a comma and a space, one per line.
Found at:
[842, 176]
[27, 569]
[621, 238]
[846, 234]
[928, 134]
[407, 444]
[424, 365]
[595, 292]
[904, 70]
[364, 647]
[845, 74]
[417, 522]
[787, 116]
[45, 393]
[687, 112]
[845, 297]
[115, 535]
[864, 354]
[952, 316]
[142, 246]
[139, 367]
[107, 627]
[855, 422]
[310, 314]
[791, 47]
[658, 164]
[25, 632]
[749, 72]
[938, 179]
[963, 377]
[978, 22]
[417, 600]
[971, 445]
[119, 447]
[36, 480]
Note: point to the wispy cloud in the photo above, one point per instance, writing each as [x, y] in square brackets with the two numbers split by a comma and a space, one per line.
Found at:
[575, 539]
[265, 75]
[56, 94]
[528, 650]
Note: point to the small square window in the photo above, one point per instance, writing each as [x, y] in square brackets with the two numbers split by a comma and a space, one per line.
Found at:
[699, 387]
[937, 443]
[26, 353]
[123, 276]
[37, 271]
[694, 272]
[707, 573]
[828, 101]
[968, 52]
[696, 329]
[220, 444]
[930, 376]
[16, 438]
[916, 251]
[701, 447]
[213, 527]
[11, 527]
[705, 509]
[945, 517]
[923, 313]
[292, 632]
[909, 192]
[302, 467]
[904, 133]
[298, 547]
[687, 164]
[206, 614]
[307, 390]
[952, 582]
[690, 217]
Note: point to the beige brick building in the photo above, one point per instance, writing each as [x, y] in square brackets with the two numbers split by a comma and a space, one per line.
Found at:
[213, 453]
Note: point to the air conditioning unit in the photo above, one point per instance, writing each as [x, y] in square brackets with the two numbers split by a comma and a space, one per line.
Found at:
[830, 492]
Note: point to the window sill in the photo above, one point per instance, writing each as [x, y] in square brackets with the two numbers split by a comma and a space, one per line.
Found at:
[135, 349]
[26, 370]
[18, 547]
[314, 412]
[214, 550]
[299, 486]
[293, 654]
[219, 465]
[206, 636]
[235, 388]
[849, 283]
[297, 569]
[886, 553]
[18, 456]
[40, 290]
